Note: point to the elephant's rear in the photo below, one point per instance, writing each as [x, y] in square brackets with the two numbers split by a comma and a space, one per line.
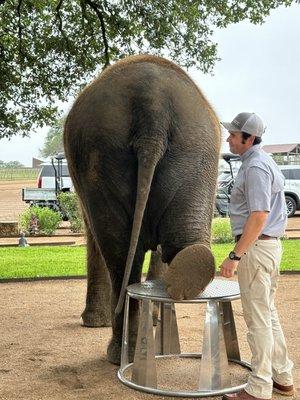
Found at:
[142, 145]
[145, 117]
[144, 106]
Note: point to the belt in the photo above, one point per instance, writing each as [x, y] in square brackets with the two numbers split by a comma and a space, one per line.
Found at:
[261, 237]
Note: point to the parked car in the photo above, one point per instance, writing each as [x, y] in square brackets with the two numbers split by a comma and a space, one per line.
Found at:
[225, 183]
[291, 187]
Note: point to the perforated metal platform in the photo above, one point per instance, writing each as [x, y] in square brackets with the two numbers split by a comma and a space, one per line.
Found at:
[218, 289]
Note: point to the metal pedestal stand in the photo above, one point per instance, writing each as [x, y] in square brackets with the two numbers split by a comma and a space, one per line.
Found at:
[220, 342]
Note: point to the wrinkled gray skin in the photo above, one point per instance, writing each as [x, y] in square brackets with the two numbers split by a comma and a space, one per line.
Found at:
[142, 144]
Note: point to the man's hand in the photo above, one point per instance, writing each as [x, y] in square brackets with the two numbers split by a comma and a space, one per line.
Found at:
[228, 267]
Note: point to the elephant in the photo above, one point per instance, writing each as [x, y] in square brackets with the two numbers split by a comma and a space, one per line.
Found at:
[142, 145]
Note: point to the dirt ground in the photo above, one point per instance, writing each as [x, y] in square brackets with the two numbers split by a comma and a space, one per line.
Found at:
[11, 204]
[46, 354]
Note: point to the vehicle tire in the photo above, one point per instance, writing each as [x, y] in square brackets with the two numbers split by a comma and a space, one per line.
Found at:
[291, 206]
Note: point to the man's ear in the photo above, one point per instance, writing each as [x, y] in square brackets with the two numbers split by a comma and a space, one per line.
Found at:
[251, 139]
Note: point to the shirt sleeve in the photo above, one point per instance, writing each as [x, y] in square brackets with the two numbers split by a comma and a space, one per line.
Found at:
[258, 189]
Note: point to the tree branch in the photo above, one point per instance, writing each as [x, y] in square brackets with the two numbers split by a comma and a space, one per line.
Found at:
[60, 23]
[58, 7]
[2, 52]
[97, 10]
[20, 28]
[58, 16]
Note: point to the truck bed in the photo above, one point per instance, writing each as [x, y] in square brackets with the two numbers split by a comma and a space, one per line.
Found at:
[36, 194]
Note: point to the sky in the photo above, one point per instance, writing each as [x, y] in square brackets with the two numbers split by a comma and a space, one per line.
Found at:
[259, 72]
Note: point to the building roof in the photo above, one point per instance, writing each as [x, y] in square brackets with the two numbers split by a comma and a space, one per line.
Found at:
[280, 148]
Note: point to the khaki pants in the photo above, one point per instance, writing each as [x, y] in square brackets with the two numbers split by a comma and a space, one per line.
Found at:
[258, 273]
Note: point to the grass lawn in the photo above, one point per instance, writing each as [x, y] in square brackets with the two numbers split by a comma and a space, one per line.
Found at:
[42, 261]
[47, 261]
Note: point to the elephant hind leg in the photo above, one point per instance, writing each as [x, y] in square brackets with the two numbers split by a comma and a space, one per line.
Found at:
[192, 269]
[97, 311]
[116, 262]
[185, 232]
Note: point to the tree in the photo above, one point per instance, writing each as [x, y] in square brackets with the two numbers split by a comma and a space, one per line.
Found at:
[53, 142]
[50, 48]
[13, 164]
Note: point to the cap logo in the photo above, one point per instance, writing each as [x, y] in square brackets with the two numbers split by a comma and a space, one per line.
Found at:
[235, 122]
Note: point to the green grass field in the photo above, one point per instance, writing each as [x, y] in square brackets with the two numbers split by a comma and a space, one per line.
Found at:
[47, 261]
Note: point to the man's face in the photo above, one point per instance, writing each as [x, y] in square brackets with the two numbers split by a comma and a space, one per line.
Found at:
[236, 144]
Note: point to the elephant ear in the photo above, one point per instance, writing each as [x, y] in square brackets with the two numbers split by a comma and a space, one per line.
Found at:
[191, 270]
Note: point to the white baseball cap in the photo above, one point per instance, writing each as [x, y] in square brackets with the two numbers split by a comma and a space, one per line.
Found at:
[247, 122]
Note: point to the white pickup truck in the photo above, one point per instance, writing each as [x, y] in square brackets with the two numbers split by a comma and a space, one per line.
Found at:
[52, 179]
[46, 177]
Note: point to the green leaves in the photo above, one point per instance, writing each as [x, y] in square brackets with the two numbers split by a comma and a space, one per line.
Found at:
[44, 220]
[54, 141]
[50, 49]
[70, 206]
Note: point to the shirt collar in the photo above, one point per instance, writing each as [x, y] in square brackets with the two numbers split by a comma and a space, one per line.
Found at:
[250, 151]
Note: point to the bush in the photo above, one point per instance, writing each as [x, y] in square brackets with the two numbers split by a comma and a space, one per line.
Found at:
[40, 220]
[69, 204]
[221, 231]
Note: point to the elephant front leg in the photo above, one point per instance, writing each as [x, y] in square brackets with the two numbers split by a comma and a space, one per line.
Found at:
[156, 270]
[97, 311]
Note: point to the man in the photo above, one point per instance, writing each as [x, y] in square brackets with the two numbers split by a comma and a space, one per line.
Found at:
[258, 219]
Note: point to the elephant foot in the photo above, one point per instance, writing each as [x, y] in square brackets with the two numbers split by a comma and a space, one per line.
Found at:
[190, 272]
[95, 318]
[114, 350]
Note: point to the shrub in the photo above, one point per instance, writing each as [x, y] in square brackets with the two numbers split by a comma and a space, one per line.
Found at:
[70, 206]
[40, 220]
[221, 231]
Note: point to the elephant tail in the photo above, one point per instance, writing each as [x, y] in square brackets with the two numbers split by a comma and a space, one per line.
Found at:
[147, 161]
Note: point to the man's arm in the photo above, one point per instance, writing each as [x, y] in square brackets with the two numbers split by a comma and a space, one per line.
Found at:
[252, 229]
